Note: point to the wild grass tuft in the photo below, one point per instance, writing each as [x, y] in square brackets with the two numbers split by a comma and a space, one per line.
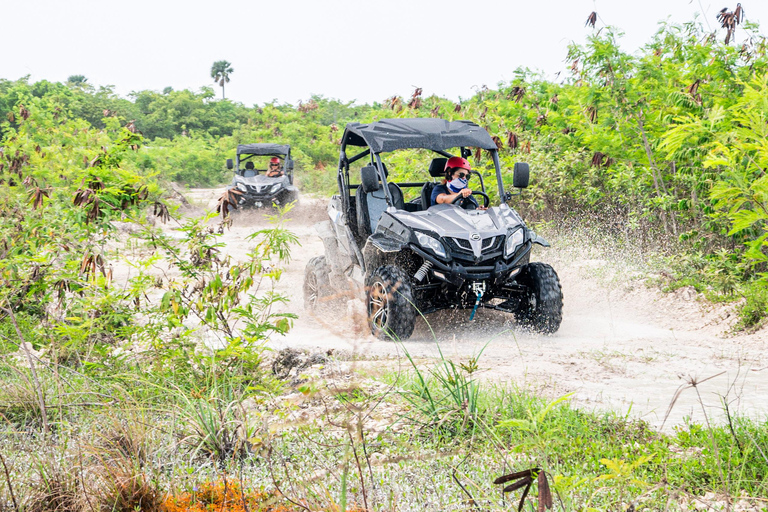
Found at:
[445, 396]
[57, 486]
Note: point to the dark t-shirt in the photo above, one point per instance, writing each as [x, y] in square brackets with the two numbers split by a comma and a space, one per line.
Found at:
[443, 189]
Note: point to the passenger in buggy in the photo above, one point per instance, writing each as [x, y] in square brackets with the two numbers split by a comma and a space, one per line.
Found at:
[455, 185]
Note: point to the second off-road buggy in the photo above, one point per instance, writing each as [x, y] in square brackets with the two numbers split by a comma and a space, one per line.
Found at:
[415, 257]
[251, 181]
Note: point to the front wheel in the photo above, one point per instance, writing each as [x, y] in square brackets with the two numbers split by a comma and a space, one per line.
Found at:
[389, 303]
[541, 309]
[316, 282]
[290, 197]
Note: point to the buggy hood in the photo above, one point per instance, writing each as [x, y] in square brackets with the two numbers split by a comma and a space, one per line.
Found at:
[456, 222]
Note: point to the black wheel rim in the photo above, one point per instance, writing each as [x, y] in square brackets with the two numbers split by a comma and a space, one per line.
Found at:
[378, 306]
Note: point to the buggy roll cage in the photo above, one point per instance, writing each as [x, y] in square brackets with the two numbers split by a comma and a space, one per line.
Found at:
[249, 151]
[352, 186]
[368, 135]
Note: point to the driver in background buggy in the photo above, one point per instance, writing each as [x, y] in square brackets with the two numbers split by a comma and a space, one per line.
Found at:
[455, 185]
[274, 170]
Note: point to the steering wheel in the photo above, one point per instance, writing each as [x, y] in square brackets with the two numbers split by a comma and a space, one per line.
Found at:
[486, 199]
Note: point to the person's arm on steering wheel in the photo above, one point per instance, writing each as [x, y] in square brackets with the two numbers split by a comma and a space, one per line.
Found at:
[447, 198]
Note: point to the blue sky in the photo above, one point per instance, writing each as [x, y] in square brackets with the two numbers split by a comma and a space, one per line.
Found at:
[351, 50]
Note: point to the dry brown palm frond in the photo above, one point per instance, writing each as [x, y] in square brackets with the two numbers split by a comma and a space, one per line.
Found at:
[693, 90]
[591, 19]
[592, 113]
[601, 160]
[524, 480]
[160, 210]
[131, 126]
[512, 140]
[694, 87]
[92, 262]
[37, 195]
[517, 93]
[728, 20]
[415, 101]
[227, 201]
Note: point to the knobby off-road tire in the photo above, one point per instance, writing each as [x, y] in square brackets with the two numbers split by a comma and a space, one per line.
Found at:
[541, 310]
[389, 303]
[289, 197]
[316, 282]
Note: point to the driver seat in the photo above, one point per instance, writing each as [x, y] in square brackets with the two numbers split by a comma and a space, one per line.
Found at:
[436, 170]
[372, 201]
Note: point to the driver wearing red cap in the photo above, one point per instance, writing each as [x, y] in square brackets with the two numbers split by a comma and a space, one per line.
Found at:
[455, 185]
[274, 170]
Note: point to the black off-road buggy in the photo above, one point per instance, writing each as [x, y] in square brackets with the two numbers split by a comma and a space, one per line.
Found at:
[256, 189]
[417, 257]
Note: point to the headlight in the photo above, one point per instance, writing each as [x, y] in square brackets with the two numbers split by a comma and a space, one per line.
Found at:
[242, 187]
[274, 188]
[514, 241]
[430, 243]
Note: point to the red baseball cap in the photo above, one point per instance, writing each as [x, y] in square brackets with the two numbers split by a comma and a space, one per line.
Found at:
[457, 161]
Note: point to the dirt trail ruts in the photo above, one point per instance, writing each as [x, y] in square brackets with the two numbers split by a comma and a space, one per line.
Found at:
[621, 346]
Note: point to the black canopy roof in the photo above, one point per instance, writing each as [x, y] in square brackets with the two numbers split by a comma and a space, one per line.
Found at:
[263, 149]
[435, 134]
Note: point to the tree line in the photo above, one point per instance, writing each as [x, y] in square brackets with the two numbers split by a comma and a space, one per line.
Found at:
[668, 145]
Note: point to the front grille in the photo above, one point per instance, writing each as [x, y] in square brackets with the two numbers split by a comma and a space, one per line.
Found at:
[493, 244]
[462, 250]
[464, 244]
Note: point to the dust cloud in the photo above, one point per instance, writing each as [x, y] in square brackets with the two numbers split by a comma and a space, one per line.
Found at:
[623, 346]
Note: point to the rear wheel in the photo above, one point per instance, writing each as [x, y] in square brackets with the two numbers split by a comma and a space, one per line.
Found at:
[541, 309]
[316, 283]
[389, 303]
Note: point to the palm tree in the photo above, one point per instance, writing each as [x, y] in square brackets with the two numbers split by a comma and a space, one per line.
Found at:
[77, 79]
[220, 73]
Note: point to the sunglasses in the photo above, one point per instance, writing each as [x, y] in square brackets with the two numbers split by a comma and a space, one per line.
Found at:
[463, 175]
[273, 163]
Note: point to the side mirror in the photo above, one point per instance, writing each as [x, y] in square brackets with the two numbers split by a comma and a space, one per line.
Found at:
[289, 164]
[520, 175]
[230, 165]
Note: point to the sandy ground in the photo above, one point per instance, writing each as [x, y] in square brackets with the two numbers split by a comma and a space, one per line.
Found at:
[622, 346]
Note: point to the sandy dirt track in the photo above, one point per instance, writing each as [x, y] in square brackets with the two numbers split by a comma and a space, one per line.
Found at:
[622, 346]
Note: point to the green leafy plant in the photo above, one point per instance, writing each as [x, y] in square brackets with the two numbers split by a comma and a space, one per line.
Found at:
[445, 397]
